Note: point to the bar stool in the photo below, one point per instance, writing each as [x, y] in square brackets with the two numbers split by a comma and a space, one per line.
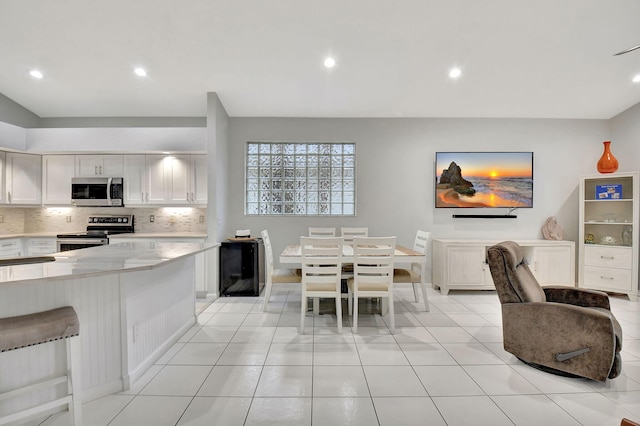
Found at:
[34, 329]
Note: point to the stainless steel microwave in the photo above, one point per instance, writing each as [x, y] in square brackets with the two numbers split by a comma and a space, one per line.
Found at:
[97, 192]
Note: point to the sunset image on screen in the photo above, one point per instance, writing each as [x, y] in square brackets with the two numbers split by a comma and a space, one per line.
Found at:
[484, 179]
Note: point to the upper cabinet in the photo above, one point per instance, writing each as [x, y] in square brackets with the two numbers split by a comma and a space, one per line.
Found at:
[3, 186]
[23, 179]
[160, 180]
[187, 179]
[99, 165]
[57, 171]
[165, 180]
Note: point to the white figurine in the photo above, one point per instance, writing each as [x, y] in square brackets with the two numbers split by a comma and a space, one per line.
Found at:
[551, 230]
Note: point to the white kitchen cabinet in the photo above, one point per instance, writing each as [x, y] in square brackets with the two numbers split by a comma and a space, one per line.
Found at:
[177, 180]
[134, 179]
[155, 179]
[37, 246]
[608, 241]
[178, 172]
[57, 171]
[200, 179]
[10, 247]
[145, 180]
[99, 165]
[23, 178]
[187, 179]
[3, 179]
[460, 264]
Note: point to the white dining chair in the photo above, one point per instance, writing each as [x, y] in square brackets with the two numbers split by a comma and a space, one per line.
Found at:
[275, 276]
[321, 273]
[415, 273]
[322, 232]
[373, 259]
[349, 233]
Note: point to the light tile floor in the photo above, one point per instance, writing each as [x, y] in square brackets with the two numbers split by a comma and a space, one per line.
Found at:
[240, 366]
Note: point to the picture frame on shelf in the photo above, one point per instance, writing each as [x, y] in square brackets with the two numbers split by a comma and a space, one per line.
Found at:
[609, 192]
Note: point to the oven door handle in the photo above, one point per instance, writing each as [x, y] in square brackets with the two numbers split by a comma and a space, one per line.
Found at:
[109, 190]
[101, 241]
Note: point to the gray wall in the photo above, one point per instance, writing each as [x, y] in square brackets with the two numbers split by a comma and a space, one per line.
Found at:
[14, 113]
[626, 132]
[217, 149]
[395, 172]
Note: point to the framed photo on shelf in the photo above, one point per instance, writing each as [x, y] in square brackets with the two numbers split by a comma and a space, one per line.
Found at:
[609, 192]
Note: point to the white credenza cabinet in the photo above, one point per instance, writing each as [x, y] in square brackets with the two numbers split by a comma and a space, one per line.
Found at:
[608, 241]
[461, 264]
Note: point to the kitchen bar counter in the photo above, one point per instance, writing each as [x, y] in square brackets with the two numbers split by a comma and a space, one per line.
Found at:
[102, 260]
[134, 300]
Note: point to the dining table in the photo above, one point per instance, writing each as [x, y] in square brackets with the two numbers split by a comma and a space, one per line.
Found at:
[292, 254]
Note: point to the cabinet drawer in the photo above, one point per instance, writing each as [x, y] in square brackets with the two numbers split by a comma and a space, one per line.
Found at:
[611, 257]
[8, 244]
[607, 278]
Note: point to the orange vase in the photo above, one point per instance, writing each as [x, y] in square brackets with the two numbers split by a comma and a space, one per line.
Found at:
[607, 163]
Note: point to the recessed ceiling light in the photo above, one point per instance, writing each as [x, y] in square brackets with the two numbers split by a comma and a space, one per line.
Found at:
[455, 73]
[636, 79]
[36, 74]
[140, 72]
[329, 62]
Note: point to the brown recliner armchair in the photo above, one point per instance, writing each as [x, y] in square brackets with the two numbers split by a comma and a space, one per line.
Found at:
[563, 330]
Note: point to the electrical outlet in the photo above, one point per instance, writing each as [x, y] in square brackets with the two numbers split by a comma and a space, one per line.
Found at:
[201, 219]
[1, 219]
[68, 219]
[135, 333]
[152, 218]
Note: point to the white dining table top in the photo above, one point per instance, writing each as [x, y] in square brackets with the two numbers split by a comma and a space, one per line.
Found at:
[292, 254]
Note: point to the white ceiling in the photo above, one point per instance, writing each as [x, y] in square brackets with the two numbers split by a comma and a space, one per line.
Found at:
[520, 58]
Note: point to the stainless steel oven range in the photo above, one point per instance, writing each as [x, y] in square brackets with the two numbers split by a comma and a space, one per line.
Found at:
[97, 233]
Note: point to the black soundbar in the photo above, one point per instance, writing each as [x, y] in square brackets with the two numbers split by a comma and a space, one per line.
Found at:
[485, 216]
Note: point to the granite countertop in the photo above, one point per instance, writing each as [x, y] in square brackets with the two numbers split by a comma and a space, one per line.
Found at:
[44, 234]
[113, 258]
[41, 234]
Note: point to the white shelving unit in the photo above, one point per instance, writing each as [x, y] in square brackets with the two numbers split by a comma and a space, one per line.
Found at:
[608, 242]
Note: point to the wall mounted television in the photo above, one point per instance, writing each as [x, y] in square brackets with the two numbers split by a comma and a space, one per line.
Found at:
[484, 180]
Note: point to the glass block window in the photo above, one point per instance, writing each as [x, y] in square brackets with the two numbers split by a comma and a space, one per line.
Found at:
[301, 179]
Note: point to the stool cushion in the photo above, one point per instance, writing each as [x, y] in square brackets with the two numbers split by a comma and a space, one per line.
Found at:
[41, 327]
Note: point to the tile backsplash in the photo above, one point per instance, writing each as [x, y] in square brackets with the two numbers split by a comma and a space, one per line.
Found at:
[74, 219]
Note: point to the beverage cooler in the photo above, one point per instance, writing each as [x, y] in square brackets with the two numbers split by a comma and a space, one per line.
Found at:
[241, 267]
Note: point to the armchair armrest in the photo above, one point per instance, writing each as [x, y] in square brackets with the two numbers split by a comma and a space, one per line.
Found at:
[577, 297]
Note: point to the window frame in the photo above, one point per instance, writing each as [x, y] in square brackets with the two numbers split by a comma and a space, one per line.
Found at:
[338, 163]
